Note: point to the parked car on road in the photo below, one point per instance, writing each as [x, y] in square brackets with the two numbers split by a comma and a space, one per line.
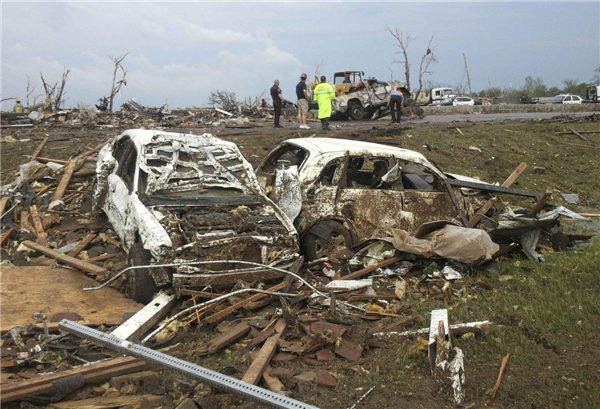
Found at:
[175, 198]
[444, 102]
[463, 101]
[352, 191]
[563, 99]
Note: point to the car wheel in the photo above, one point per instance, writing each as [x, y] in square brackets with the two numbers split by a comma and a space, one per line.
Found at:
[318, 247]
[356, 111]
[140, 284]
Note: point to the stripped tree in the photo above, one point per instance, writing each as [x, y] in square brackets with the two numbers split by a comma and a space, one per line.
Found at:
[54, 93]
[116, 85]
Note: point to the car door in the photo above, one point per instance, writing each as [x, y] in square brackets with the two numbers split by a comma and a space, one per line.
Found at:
[568, 100]
[370, 208]
[425, 198]
[120, 189]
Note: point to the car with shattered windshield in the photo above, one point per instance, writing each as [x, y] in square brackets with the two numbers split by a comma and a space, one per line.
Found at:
[175, 199]
[341, 193]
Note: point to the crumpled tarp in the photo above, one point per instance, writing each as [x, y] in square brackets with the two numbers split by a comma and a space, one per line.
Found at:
[450, 242]
[287, 191]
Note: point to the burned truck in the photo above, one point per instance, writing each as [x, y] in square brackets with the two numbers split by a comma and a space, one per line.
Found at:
[178, 198]
[358, 98]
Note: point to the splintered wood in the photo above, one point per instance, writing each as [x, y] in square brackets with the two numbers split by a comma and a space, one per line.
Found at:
[260, 363]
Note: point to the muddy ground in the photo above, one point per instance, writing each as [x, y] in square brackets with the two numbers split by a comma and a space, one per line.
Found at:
[546, 316]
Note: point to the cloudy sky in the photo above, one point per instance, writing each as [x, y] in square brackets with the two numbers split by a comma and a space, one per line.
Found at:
[181, 51]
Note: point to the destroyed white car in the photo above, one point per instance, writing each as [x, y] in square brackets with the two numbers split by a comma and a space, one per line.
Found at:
[350, 192]
[174, 198]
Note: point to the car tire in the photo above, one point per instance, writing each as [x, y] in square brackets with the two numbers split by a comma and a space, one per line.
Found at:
[316, 247]
[356, 111]
[140, 284]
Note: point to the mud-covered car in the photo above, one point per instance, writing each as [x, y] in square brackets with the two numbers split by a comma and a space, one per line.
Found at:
[174, 198]
[351, 191]
[366, 99]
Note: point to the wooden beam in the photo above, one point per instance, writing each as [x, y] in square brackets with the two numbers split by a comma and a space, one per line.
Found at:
[82, 245]
[260, 363]
[64, 181]
[60, 162]
[369, 269]
[5, 235]
[39, 149]
[580, 136]
[25, 221]
[144, 319]
[44, 190]
[109, 402]
[540, 204]
[273, 382]
[228, 337]
[488, 205]
[70, 261]
[224, 313]
[39, 228]
[3, 204]
[200, 294]
[109, 239]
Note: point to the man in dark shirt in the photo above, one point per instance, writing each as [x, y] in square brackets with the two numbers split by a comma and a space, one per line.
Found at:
[277, 102]
[302, 94]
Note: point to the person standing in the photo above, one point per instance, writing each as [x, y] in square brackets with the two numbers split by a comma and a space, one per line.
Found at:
[323, 95]
[302, 94]
[277, 102]
[396, 104]
[18, 108]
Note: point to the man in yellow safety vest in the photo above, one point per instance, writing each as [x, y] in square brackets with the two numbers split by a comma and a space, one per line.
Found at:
[323, 95]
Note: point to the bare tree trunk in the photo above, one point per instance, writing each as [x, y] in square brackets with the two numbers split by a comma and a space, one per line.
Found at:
[403, 44]
[49, 92]
[116, 86]
[427, 59]
[58, 99]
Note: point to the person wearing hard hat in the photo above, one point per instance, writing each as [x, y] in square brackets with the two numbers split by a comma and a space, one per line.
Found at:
[18, 108]
[323, 95]
[396, 104]
[302, 94]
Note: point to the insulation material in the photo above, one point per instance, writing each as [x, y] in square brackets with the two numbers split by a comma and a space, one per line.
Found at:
[287, 191]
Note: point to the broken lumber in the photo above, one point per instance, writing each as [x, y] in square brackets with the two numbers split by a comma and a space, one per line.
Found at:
[109, 402]
[25, 222]
[144, 319]
[200, 294]
[39, 228]
[3, 204]
[499, 380]
[480, 326]
[580, 136]
[569, 132]
[228, 337]
[45, 160]
[460, 132]
[5, 235]
[369, 269]
[583, 146]
[488, 205]
[38, 150]
[82, 245]
[540, 204]
[224, 313]
[223, 112]
[273, 382]
[70, 261]
[260, 363]
[44, 190]
[109, 239]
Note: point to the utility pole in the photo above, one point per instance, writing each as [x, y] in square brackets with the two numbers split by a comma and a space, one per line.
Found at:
[468, 79]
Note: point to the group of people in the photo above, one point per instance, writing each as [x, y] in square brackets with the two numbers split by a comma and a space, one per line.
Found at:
[324, 95]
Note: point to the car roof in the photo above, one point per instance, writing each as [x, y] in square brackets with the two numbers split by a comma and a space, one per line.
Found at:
[143, 137]
[329, 145]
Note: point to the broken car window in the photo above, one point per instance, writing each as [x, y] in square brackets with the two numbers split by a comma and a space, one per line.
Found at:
[366, 173]
[417, 177]
[287, 154]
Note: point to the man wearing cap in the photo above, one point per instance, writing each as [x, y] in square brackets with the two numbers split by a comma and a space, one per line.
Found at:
[323, 95]
[18, 108]
[396, 104]
[277, 102]
[302, 94]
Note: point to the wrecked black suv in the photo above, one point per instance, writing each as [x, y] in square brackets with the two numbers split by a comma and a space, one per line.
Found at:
[177, 198]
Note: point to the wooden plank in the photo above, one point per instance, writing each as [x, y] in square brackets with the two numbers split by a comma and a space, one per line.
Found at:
[200, 294]
[38, 150]
[37, 223]
[369, 269]
[64, 181]
[103, 257]
[70, 261]
[224, 313]
[44, 190]
[580, 136]
[144, 319]
[273, 382]
[228, 337]
[25, 221]
[109, 239]
[580, 145]
[540, 204]
[5, 236]
[259, 365]
[57, 291]
[373, 297]
[82, 245]
[110, 402]
[569, 132]
[3, 204]
[46, 160]
[488, 205]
